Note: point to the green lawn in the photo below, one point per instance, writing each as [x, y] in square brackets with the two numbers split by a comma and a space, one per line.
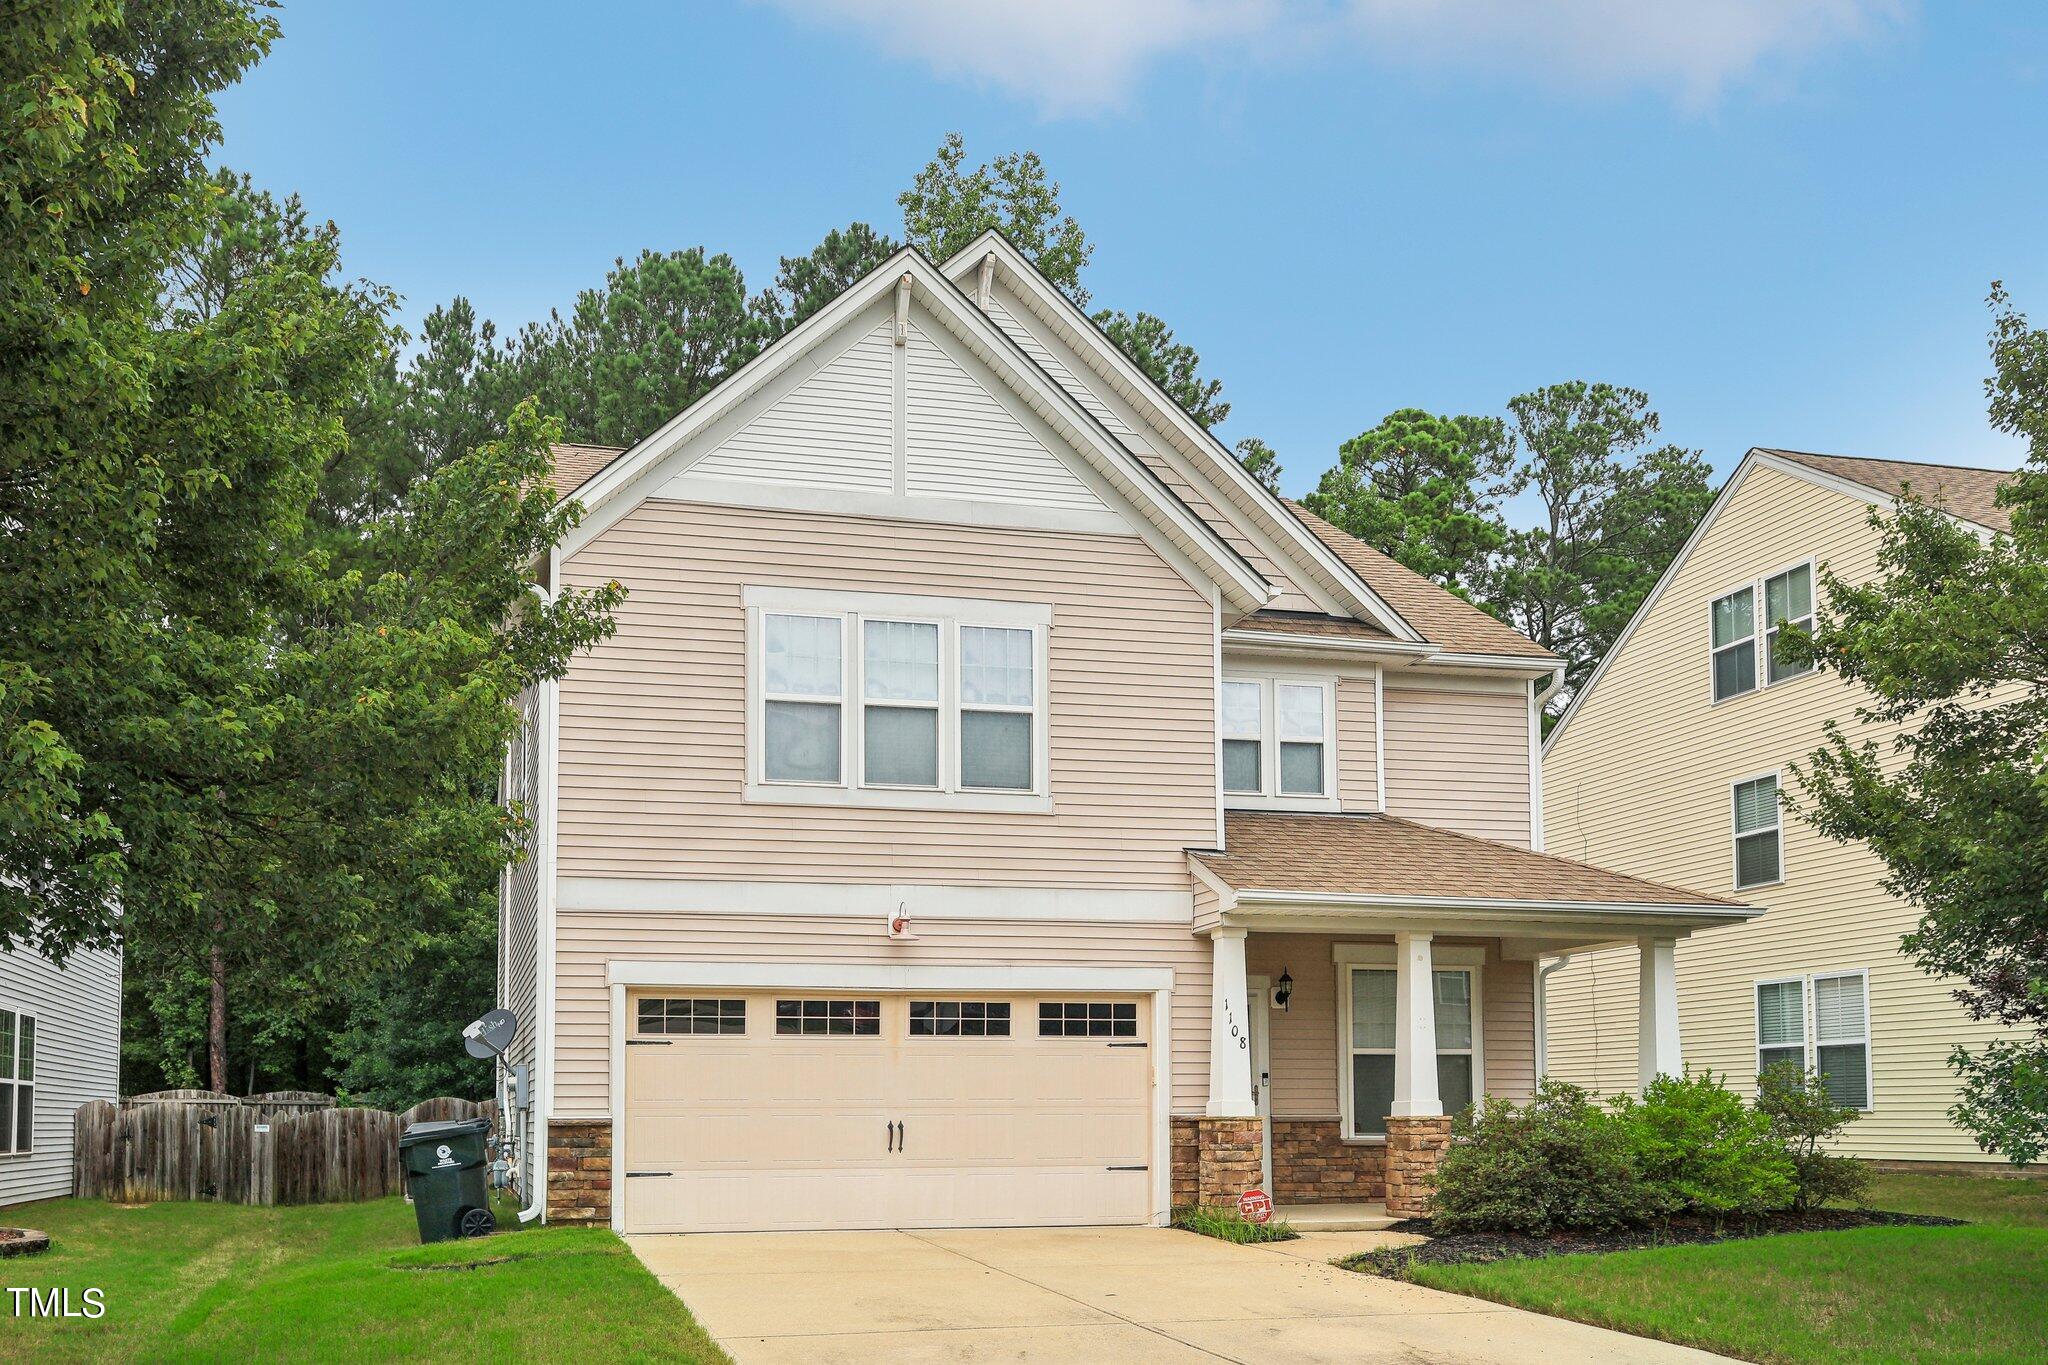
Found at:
[335, 1282]
[1975, 1293]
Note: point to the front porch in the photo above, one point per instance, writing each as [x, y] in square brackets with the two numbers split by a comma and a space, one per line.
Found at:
[1372, 978]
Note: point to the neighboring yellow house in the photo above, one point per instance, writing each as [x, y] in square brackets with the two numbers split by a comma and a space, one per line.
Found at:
[1669, 764]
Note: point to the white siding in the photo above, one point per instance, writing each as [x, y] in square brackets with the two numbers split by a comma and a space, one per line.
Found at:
[77, 1011]
[835, 430]
[962, 443]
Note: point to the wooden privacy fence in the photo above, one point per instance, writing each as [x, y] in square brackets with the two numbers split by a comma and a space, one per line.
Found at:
[293, 1147]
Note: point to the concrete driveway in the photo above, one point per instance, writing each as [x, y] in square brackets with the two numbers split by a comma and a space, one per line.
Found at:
[1066, 1294]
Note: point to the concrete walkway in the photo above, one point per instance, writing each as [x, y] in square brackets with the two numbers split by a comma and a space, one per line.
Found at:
[1067, 1294]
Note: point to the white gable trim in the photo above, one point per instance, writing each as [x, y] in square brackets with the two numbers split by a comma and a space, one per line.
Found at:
[1306, 554]
[1180, 536]
[1755, 459]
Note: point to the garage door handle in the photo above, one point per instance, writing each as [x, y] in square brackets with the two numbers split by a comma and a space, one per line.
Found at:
[901, 1130]
[890, 1129]
[1127, 1045]
[1126, 1168]
[646, 1175]
[649, 1042]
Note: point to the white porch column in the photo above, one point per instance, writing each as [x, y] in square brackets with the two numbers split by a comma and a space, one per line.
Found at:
[1657, 1010]
[1415, 1093]
[1230, 1035]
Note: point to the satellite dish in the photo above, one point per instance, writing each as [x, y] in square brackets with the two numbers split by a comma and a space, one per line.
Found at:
[492, 1034]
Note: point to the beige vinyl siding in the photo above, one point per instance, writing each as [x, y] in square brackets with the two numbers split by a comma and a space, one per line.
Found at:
[1358, 745]
[1056, 360]
[961, 443]
[77, 1009]
[653, 745]
[1302, 1041]
[1640, 782]
[1458, 758]
[834, 430]
[587, 940]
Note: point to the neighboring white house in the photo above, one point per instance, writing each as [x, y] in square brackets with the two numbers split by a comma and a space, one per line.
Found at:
[60, 1046]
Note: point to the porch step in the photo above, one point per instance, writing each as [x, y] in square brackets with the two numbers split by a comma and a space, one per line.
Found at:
[1334, 1217]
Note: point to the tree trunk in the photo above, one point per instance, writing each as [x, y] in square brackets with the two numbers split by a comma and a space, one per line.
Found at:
[217, 1021]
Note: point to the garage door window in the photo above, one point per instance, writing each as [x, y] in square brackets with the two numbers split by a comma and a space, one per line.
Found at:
[829, 1018]
[693, 1016]
[959, 1019]
[1087, 1019]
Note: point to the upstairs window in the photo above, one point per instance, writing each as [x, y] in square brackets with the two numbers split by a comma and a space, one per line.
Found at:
[1788, 601]
[1746, 625]
[1759, 852]
[951, 699]
[1277, 744]
[1735, 644]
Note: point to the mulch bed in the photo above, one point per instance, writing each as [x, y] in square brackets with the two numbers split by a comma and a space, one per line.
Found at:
[1461, 1247]
[23, 1241]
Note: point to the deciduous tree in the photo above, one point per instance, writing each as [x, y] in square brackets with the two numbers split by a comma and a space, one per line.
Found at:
[1951, 642]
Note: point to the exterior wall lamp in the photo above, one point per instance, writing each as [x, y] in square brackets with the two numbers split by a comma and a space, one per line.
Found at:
[1283, 990]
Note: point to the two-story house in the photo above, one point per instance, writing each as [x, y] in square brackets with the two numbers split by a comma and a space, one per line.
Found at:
[1673, 762]
[996, 808]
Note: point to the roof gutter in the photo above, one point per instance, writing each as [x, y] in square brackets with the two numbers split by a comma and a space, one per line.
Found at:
[1277, 899]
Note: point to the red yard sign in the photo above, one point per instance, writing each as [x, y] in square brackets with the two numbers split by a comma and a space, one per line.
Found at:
[1255, 1205]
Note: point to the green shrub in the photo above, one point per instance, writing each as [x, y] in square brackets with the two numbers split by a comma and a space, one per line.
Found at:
[1559, 1161]
[1230, 1225]
[1803, 1118]
[1701, 1151]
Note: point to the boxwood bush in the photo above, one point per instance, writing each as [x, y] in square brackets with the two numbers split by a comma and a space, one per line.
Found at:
[1702, 1151]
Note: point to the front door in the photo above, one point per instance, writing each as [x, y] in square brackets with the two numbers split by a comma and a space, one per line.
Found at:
[1258, 994]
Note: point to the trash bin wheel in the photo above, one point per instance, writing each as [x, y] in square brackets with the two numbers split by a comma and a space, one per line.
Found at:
[476, 1223]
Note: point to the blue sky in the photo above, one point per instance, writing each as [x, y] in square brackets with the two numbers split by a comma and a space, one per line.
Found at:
[1779, 219]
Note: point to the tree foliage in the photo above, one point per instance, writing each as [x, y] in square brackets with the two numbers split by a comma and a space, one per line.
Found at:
[105, 117]
[1950, 640]
[1424, 489]
[1260, 461]
[1171, 364]
[1611, 515]
[946, 208]
[804, 284]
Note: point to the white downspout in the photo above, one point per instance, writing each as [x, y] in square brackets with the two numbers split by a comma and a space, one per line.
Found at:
[1542, 1010]
[544, 947]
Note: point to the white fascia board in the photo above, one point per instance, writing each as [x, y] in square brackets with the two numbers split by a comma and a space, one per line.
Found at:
[1245, 493]
[1226, 894]
[891, 977]
[1323, 644]
[606, 497]
[1253, 899]
[1520, 665]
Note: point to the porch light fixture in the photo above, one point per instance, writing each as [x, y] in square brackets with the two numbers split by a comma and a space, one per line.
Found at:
[1283, 990]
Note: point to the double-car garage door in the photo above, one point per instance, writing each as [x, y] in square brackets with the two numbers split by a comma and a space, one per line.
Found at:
[792, 1109]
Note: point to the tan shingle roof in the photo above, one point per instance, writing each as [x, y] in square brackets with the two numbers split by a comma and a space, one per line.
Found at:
[1310, 623]
[576, 465]
[1968, 492]
[1384, 855]
[1443, 618]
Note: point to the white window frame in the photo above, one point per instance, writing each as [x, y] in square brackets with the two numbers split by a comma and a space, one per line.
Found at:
[758, 656]
[1809, 1024]
[1379, 957]
[949, 614]
[858, 623]
[11, 1116]
[1756, 1019]
[1269, 796]
[1736, 834]
[1761, 631]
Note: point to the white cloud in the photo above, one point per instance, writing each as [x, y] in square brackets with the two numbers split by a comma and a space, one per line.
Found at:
[1078, 56]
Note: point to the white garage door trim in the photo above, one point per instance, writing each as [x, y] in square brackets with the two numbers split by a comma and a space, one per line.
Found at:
[1156, 982]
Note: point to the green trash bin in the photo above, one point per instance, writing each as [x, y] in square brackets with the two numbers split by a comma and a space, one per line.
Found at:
[447, 1175]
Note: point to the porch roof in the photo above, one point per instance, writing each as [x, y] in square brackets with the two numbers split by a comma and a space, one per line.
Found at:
[1384, 859]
